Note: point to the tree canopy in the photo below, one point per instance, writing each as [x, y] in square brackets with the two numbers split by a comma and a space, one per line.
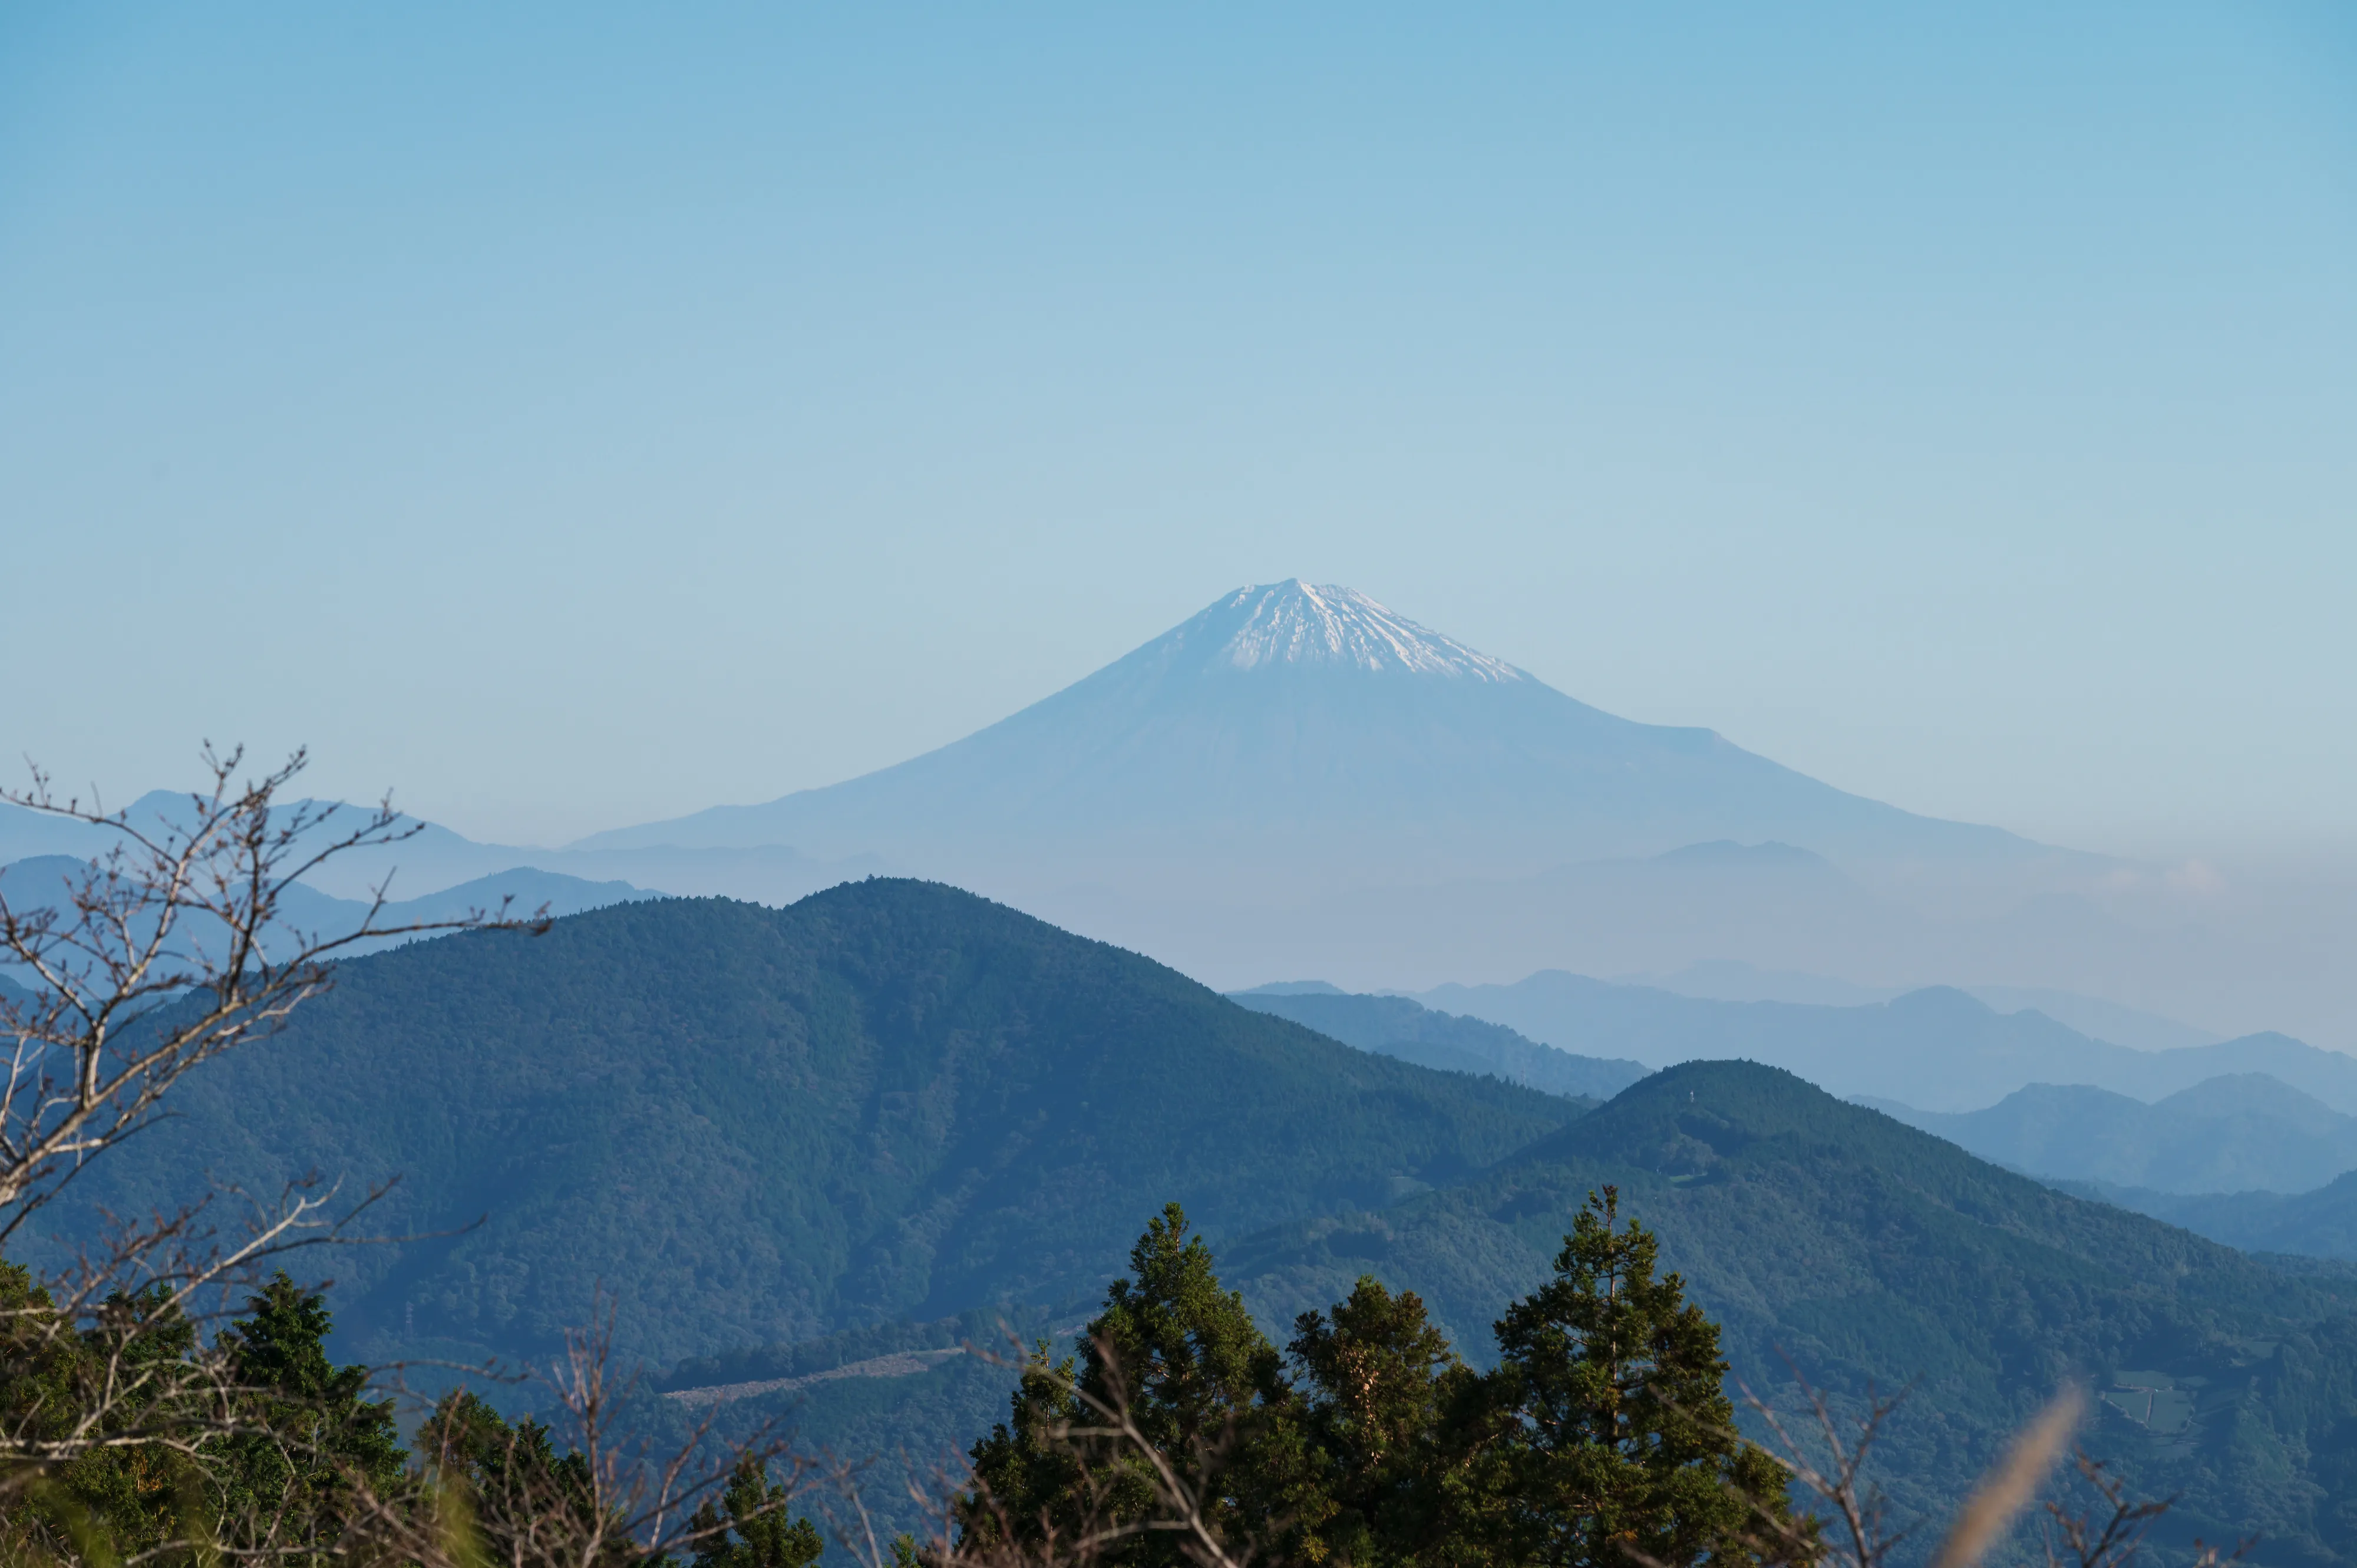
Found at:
[1601, 1439]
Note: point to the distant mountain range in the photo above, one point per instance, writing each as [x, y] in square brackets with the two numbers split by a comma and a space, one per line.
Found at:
[2318, 1224]
[2233, 1133]
[432, 860]
[895, 1101]
[1299, 779]
[1729, 980]
[1936, 1049]
[48, 881]
[1396, 1026]
[2241, 1130]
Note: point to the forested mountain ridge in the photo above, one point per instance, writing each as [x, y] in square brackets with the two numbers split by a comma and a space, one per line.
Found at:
[1877, 1257]
[892, 1100]
[896, 1101]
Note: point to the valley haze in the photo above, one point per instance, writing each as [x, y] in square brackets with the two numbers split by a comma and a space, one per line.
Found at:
[1298, 780]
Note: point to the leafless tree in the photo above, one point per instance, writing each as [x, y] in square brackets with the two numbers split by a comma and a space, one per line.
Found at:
[581, 1492]
[1833, 1470]
[2092, 1538]
[2110, 1533]
[168, 947]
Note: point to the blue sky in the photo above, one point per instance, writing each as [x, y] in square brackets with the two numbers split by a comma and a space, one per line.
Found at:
[573, 415]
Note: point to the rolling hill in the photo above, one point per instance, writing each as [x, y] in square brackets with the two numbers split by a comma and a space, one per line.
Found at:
[1878, 1258]
[892, 1100]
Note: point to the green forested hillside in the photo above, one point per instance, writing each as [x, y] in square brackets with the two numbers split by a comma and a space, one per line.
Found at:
[893, 1099]
[1875, 1256]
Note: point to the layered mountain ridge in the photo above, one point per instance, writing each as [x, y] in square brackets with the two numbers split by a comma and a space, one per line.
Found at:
[895, 1101]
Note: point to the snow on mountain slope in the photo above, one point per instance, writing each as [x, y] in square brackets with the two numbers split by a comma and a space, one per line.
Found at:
[1307, 731]
[1295, 623]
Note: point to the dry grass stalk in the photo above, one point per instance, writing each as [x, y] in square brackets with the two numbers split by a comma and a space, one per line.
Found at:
[2007, 1489]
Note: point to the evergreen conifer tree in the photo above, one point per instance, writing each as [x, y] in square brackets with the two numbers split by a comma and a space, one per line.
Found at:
[1610, 1442]
[1180, 1360]
[512, 1479]
[317, 1437]
[761, 1531]
[121, 1497]
[1376, 1378]
[274, 1439]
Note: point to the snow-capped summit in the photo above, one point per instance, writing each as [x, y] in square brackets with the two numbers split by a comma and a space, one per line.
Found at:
[1309, 733]
[1294, 622]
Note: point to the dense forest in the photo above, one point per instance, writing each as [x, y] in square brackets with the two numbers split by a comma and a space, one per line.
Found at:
[1179, 1434]
[890, 1100]
[1837, 1245]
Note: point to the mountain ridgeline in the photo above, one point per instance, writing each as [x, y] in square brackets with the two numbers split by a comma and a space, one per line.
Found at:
[1936, 1049]
[895, 1102]
[893, 1099]
[2236, 1133]
[1298, 780]
[1396, 1027]
[1829, 1239]
[2321, 1223]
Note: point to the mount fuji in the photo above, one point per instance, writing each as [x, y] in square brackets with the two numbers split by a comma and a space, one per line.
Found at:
[1299, 782]
[1308, 730]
